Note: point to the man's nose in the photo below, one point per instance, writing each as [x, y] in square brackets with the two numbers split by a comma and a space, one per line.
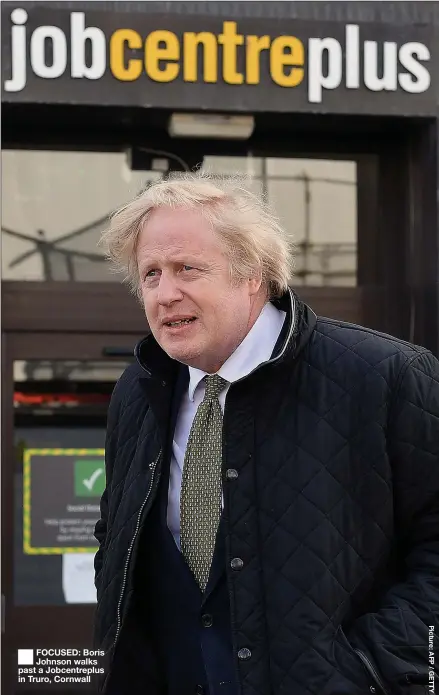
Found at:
[168, 289]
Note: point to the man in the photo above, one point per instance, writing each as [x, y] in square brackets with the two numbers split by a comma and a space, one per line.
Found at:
[270, 524]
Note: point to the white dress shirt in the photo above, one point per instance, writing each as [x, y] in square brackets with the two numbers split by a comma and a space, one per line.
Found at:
[257, 347]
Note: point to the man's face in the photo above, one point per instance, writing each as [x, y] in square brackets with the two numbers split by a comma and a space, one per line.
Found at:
[184, 274]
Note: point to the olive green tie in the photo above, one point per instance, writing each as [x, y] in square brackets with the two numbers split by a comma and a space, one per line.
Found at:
[201, 490]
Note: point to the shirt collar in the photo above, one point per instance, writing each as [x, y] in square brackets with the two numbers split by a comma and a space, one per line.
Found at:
[257, 347]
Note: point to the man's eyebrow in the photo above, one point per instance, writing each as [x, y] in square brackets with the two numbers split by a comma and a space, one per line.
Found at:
[183, 258]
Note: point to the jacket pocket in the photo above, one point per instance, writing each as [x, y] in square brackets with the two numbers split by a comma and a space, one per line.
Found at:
[351, 667]
[372, 672]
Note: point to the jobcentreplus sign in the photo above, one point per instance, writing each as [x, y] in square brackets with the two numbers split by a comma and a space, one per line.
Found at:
[230, 56]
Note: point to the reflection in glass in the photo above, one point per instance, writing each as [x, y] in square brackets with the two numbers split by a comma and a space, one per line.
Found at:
[316, 201]
[69, 370]
[56, 204]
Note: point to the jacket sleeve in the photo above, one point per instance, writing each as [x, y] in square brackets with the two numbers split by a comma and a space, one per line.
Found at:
[399, 638]
[100, 532]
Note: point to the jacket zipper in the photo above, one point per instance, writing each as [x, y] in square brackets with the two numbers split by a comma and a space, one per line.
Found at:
[371, 670]
[153, 467]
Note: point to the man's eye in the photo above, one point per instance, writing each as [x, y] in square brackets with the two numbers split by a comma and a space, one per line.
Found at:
[149, 273]
[188, 267]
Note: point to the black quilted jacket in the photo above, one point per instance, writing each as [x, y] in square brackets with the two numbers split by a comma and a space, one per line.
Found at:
[335, 510]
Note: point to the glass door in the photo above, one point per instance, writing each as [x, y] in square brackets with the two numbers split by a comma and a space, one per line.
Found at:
[56, 390]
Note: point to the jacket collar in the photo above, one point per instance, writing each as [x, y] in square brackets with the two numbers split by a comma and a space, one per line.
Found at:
[298, 327]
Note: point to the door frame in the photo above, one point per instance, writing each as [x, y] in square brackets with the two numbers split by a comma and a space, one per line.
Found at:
[89, 308]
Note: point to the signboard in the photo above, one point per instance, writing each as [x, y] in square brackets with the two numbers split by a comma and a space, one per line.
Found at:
[61, 494]
[77, 56]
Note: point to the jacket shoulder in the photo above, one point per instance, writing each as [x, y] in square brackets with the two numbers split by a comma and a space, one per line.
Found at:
[130, 377]
[127, 390]
[381, 351]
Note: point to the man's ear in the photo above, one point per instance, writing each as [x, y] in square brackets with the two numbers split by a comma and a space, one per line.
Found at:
[255, 283]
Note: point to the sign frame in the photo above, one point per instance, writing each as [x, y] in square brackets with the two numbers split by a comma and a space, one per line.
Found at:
[27, 502]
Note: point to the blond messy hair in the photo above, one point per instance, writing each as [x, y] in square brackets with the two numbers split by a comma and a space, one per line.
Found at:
[253, 239]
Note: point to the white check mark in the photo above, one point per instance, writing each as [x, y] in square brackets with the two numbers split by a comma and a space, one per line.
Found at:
[89, 482]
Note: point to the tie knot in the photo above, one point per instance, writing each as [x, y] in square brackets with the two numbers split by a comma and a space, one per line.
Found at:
[214, 385]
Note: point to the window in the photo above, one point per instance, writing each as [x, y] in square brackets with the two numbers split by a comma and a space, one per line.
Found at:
[56, 204]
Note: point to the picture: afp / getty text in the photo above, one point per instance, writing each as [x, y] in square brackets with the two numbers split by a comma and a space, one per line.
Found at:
[220, 347]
